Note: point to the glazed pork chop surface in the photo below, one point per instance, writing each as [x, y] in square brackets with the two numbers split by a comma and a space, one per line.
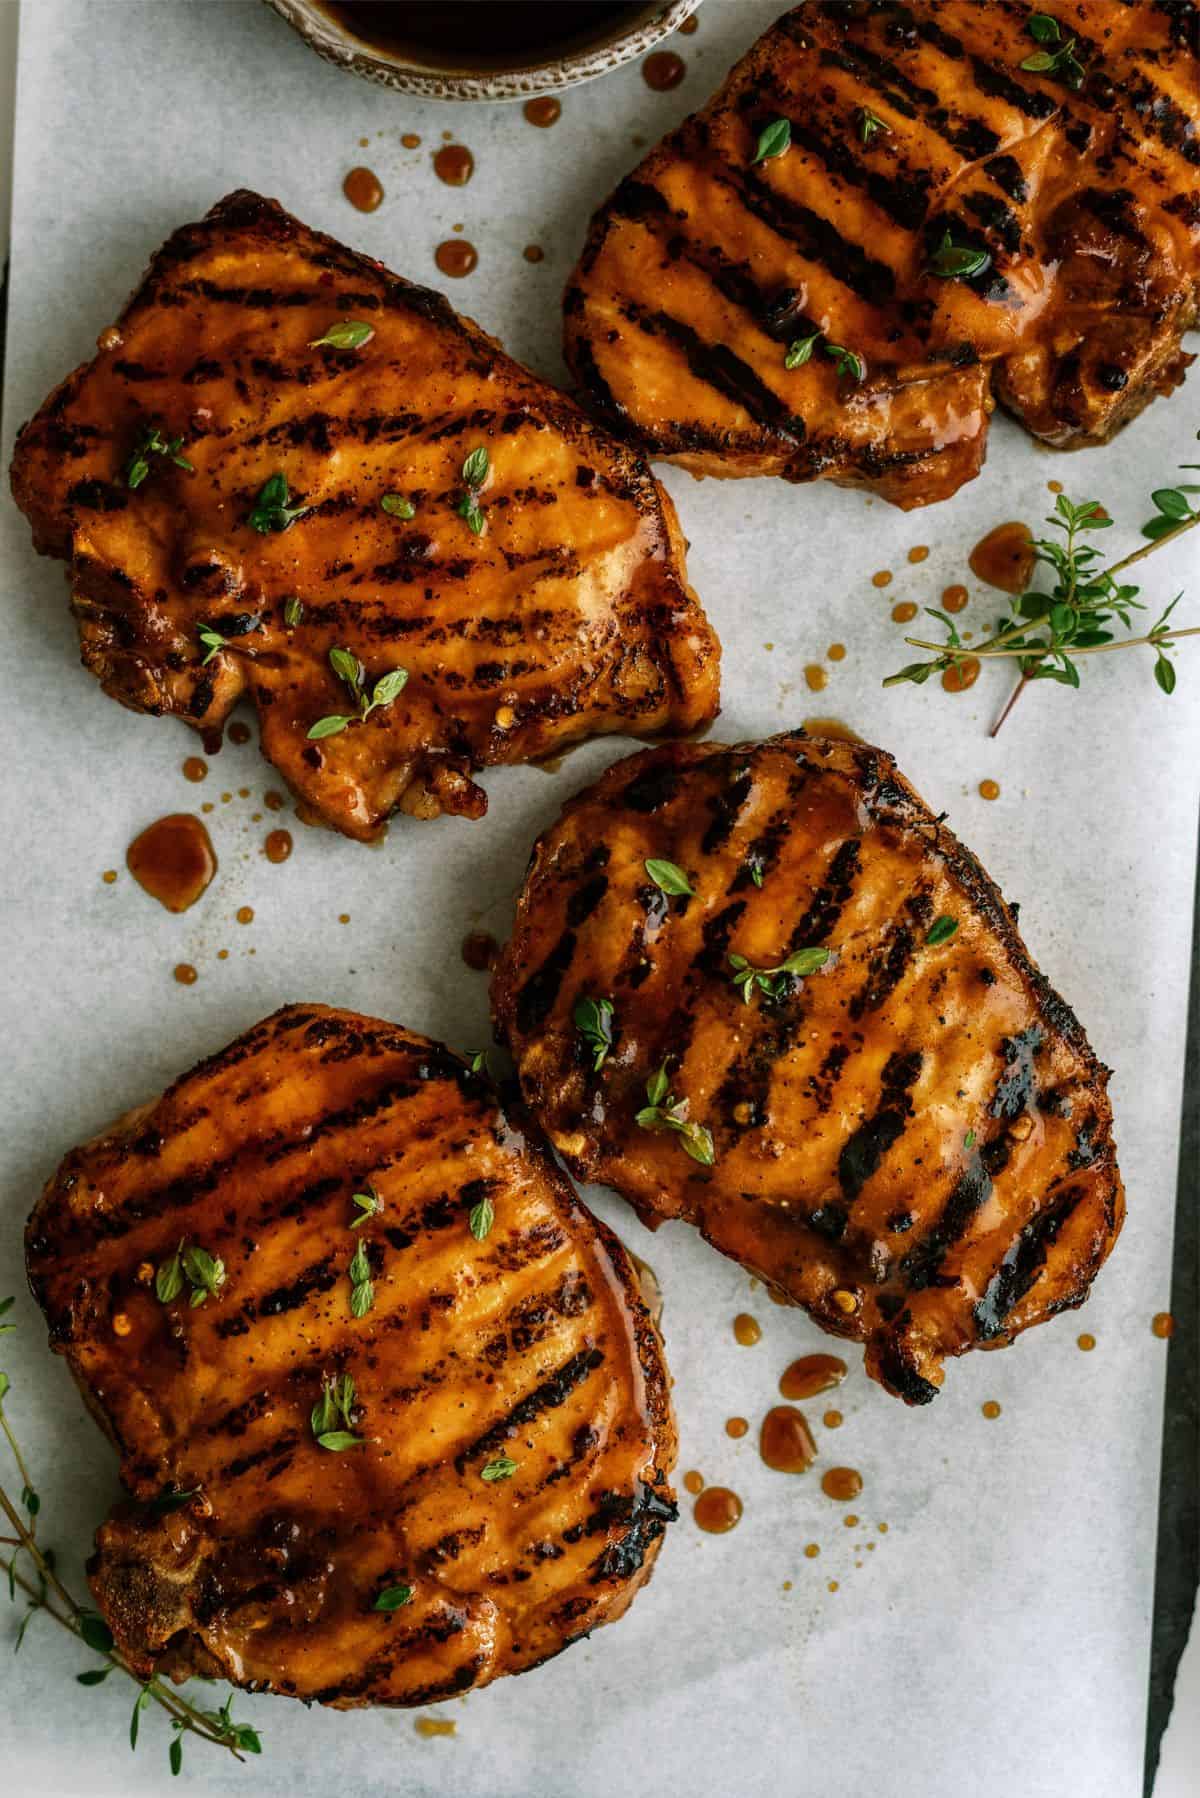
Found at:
[219, 481]
[942, 223]
[824, 1044]
[392, 1414]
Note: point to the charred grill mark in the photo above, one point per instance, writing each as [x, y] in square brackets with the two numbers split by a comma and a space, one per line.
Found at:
[548, 1396]
[653, 788]
[814, 237]
[244, 1464]
[830, 899]
[1016, 1090]
[864, 1151]
[712, 957]
[717, 366]
[970, 136]
[724, 806]
[1022, 1263]
[900, 1376]
[923, 1264]
[904, 202]
[646, 1516]
[889, 964]
[536, 997]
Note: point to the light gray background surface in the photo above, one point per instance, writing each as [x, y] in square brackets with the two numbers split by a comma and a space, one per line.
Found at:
[998, 1634]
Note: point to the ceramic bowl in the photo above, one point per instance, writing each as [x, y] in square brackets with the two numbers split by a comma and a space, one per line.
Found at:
[408, 74]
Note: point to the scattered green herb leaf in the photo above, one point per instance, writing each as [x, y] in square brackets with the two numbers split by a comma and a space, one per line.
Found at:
[293, 611]
[153, 443]
[665, 1112]
[205, 1273]
[271, 511]
[392, 1598]
[594, 1021]
[773, 140]
[800, 351]
[397, 506]
[941, 930]
[369, 1205]
[502, 1468]
[870, 124]
[350, 671]
[1061, 62]
[958, 262]
[670, 878]
[483, 1216]
[212, 641]
[850, 365]
[346, 334]
[775, 981]
[362, 1290]
[336, 1400]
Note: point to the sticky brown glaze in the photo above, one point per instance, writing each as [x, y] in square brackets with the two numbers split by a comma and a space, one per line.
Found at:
[914, 1142]
[703, 266]
[533, 1344]
[569, 615]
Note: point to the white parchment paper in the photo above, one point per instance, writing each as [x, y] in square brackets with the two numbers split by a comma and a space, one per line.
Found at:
[997, 1635]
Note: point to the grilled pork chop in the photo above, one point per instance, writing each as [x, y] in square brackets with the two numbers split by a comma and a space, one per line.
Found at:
[833, 1055]
[418, 1437]
[918, 144]
[529, 578]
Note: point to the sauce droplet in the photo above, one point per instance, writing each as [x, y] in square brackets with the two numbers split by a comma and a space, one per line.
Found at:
[545, 110]
[785, 1441]
[833, 1585]
[882, 579]
[411, 140]
[1163, 1325]
[364, 190]
[833, 1420]
[812, 1550]
[961, 675]
[278, 845]
[435, 1726]
[195, 768]
[343, 917]
[736, 1427]
[746, 1329]
[479, 951]
[533, 252]
[186, 974]
[1054, 486]
[454, 164]
[456, 257]
[717, 1509]
[833, 728]
[245, 914]
[989, 789]
[841, 1483]
[1004, 558]
[954, 598]
[693, 1483]
[663, 71]
[274, 801]
[812, 1374]
[239, 732]
[689, 26]
[990, 1408]
[109, 876]
[836, 652]
[816, 677]
[1087, 1343]
[211, 740]
[173, 860]
[918, 552]
[904, 612]
[850, 1520]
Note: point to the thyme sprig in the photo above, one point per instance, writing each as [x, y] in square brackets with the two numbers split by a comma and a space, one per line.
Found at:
[774, 982]
[666, 1112]
[46, 1595]
[154, 442]
[1047, 633]
[353, 675]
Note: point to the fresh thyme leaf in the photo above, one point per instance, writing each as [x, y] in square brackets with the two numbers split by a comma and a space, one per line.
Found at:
[665, 1112]
[801, 350]
[352, 674]
[369, 1204]
[205, 1272]
[392, 1598]
[1062, 61]
[6, 1305]
[869, 123]
[1164, 674]
[657, 1086]
[337, 1441]
[346, 334]
[670, 877]
[483, 1216]
[397, 506]
[169, 1501]
[153, 443]
[941, 930]
[168, 1281]
[271, 511]
[756, 872]
[293, 611]
[360, 1266]
[362, 1297]
[212, 640]
[475, 468]
[348, 668]
[1042, 27]
[95, 1632]
[957, 262]
[594, 1020]
[328, 727]
[30, 1500]
[969, 1140]
[773, 140]
[477, 1061]
[95, 1676]
[774, 981]
[502, 1468]
[140, 1703]
[388, 687]
[469, 508]
[850, 365]
[175, 1756]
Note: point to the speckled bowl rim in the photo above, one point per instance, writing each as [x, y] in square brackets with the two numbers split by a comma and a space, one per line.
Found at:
[340, 47]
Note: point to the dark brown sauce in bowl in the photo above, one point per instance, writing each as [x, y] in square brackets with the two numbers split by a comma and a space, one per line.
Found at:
[503, 34]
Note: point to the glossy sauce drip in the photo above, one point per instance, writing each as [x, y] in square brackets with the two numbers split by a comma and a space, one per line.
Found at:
[195, 768]
[456, 257]
[1163, 1325]
[736, 1427]
[454, 164]
[245, 914]
[533, 252]
[816, 677]
[812, 1550]
[785, 1441]
[364, 190]
[717, 1509]
[434, 1726]
[663, 71]
[186, 974]
[832, 728]
[990, 1407]
[689, 26]
[1004, 558]
[1054, 486]
[919, 552]
[989, 789]
[544, 111]
[504, 34]
[274, 801]
[954, 598]
[746, 1329]
[173, 860]
[833, 1420]
[278, 845]
[240, 732]
[479, 951]
[411, 140]
[109, 877]
[904, 612]
[841, 1483]
[1087, 1343]
[693, 1482]
[836, 652]
[812, 1374]
[882, 579]
[961, 675]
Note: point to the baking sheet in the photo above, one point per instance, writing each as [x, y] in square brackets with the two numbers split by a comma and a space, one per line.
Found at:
[999, 1630]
